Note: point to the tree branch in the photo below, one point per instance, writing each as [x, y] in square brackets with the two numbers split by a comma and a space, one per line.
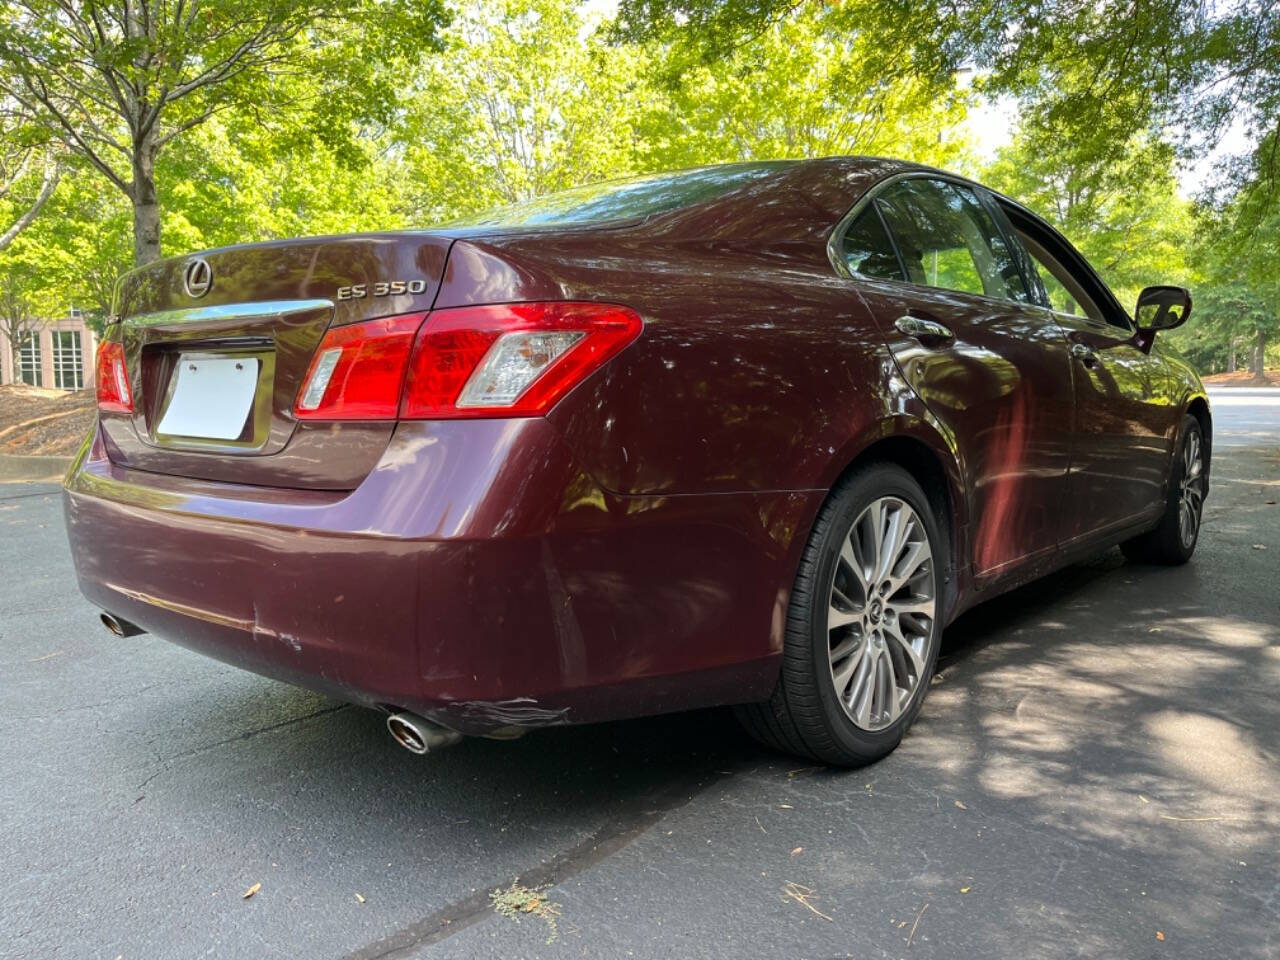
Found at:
[52, 174]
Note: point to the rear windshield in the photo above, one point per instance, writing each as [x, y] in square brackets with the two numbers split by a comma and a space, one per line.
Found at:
[627, 199]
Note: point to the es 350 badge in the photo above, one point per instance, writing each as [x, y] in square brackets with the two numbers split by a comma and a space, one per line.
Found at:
[382, 288]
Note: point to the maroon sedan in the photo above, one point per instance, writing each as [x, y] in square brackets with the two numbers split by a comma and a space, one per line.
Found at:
[750, 434]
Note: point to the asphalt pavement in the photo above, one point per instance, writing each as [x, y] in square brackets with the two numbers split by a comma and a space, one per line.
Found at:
[1094, 774]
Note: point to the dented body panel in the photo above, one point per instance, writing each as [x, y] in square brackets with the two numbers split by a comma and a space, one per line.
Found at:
[450, 584]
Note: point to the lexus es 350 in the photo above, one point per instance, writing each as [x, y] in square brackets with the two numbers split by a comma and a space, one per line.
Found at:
[748, 434]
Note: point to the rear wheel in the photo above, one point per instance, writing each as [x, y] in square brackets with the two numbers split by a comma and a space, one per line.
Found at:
[862, 627]
[1174, 540]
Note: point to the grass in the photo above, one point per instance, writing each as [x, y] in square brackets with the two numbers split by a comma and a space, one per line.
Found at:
[518, 901]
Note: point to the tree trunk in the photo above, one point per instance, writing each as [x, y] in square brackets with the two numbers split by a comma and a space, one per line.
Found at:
[146, 208]
[1231, 356]
[1260, 357]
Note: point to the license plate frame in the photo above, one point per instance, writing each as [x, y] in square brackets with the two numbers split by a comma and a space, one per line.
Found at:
[216, 408]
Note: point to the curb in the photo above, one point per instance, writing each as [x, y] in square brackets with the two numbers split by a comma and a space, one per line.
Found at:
[15, 468]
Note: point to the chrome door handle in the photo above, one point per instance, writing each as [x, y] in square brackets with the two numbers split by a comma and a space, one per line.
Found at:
[922, 329]
[1084, 353]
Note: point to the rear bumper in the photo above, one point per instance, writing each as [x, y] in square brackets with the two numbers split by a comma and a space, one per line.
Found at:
[476, 576]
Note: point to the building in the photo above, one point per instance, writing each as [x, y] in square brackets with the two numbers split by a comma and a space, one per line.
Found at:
[58, 354]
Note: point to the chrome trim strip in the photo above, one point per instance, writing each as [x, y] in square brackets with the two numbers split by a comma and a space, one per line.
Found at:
[228, 311]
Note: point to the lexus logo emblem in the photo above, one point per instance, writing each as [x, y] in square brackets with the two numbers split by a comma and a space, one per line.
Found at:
[197, 278]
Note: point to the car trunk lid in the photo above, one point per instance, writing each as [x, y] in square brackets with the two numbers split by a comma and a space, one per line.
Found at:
[217, 346]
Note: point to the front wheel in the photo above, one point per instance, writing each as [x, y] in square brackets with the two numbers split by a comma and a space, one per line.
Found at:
[863, 624]
[1174, 539]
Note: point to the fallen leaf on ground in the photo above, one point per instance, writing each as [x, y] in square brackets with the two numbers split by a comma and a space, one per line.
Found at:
[1143, 799]
[961, 805]
[251, 891]
[1159, 934]
[785, 806]
[1259, 546]
[359, 898]
[964, 889]
[797, 851]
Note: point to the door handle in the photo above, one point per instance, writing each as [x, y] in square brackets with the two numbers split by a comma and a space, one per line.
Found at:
[923, 329]
[1084, 353]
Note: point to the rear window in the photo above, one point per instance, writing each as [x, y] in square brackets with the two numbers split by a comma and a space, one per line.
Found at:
[627, 199]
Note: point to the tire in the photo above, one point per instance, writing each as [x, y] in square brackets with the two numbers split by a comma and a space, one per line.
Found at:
[1172, 542]
[884, 681]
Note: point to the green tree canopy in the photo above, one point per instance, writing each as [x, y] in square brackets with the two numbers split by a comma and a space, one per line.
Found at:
[524, 100]
[802, 88]
[1126, 216]
[118, 82]
[1104, 70]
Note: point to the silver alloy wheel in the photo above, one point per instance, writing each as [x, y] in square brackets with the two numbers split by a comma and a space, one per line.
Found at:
[881, 612]
[1191, 496]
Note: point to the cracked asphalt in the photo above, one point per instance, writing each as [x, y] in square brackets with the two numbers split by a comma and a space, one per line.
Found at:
[1095, 774]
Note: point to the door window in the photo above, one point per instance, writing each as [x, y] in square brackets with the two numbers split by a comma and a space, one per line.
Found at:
[1065, 292]
[868, 251]
[948, 240]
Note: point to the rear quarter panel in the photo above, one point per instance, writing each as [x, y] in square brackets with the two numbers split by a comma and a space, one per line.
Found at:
[759, 372]
[759, 368]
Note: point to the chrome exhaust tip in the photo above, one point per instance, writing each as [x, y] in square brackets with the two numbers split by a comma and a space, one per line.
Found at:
[119, 627]
[418, 734]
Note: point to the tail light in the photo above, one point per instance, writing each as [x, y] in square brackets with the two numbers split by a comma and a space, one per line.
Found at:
[358, 371]
[114, 394]
[505, 360]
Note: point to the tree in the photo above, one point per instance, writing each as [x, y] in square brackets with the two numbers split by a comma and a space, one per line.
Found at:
[1196, 64]
[18, 318]
[802, 88]
[1125, 215]
[118, 82]
[1229, 320]
[527, 99]
[29, 172]
[235, 180]
[523, 101]
[1240, 301]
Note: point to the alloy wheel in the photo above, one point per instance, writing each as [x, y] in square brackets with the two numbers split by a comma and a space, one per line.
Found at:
[880, 615]
[1191, 494]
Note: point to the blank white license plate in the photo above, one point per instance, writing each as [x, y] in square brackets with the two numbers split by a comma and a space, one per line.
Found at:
[211, 397]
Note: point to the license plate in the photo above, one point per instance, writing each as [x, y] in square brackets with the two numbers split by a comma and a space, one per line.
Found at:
[211, 397]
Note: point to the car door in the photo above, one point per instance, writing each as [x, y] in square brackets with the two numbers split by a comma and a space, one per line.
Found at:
[1124, 422]
[990, 365]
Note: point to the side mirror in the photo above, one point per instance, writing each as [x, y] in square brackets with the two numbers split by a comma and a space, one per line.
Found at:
[1162, 308]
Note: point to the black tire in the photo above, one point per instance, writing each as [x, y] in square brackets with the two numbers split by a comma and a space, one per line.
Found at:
[804, 716]
[1166, 543]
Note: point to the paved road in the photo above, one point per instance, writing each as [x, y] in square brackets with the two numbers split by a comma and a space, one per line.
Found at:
[1094, 774]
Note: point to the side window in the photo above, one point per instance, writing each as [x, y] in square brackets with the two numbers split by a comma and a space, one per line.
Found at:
[1066, 293]
[947, 239]
[869, 251]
